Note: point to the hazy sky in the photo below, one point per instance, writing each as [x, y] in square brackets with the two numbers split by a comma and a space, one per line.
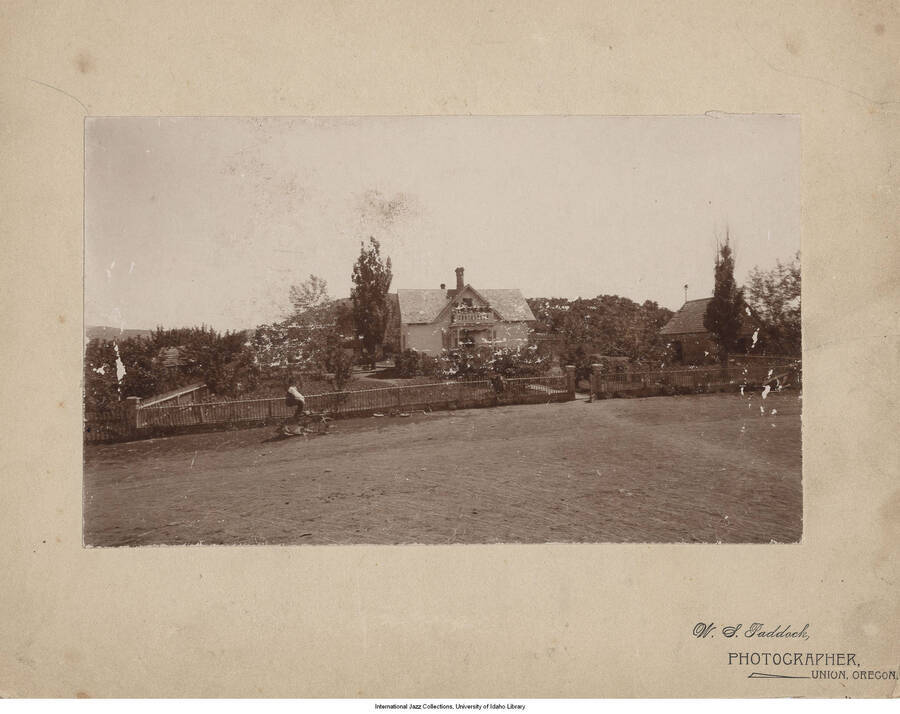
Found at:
[211, 220]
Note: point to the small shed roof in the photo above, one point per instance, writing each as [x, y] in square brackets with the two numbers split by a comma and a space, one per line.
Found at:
[171, 357]
[689, 320]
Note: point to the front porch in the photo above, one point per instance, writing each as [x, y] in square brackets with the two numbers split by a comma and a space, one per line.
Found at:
[463, 335]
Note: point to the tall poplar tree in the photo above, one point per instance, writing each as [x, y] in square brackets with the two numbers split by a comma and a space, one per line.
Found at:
[724, 312]
[371, 281]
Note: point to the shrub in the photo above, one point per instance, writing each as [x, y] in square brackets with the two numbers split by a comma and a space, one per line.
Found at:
[463, 364]
[407, 363]
[508, 362]
[522, 362]
[339, 362]
[429, 366]
[411, 363]
[472, 363]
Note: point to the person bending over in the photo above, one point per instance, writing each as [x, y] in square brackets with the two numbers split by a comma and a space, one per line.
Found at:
[294, 398]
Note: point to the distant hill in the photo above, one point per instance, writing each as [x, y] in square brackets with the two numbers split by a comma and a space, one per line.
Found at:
[110, 333]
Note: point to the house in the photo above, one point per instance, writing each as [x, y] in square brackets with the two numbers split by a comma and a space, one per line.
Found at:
[172, 357]
[692, 342]
[440, 319]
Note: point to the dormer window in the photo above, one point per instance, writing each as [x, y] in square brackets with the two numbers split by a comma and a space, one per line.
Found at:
[467, 302]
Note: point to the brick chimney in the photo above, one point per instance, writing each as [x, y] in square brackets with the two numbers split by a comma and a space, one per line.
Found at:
[443, 286]
[460, 283]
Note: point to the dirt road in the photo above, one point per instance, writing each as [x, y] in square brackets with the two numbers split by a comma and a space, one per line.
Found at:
[669, 469]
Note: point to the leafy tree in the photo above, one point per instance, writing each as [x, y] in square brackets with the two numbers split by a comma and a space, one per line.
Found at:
[223, 362]
[774, 295]
[371, 281]
[101, 386]
[313, 339]
[337, 359]
[241, 373]
[723, 314]
[310, 297]
[582, 361]
[607, 324]
[343, 317]
[550, 313]
[141, 378]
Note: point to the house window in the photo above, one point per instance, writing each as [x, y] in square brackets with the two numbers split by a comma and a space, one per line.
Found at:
[467, 302]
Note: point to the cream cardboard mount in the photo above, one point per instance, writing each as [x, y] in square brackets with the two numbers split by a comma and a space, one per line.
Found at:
[537, 620]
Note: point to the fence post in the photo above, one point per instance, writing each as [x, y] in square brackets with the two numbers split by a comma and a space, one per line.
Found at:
[595, 381]
[570, 380]
[132, 404]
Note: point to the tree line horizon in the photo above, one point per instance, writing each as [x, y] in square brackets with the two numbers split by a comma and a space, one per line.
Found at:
[327, 336]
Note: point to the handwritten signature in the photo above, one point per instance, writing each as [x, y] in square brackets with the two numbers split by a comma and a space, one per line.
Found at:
[754, 629]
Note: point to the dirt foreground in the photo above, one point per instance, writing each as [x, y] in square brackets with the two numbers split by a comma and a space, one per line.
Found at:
[711, 468]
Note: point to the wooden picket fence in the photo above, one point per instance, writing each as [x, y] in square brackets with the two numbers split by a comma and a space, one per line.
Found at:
[134, 420]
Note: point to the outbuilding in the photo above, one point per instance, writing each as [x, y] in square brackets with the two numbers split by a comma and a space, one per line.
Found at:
[692, 343]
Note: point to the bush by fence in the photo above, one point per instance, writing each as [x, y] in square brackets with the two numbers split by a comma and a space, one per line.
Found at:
[411, 363]
[688, 381]
[473, 362]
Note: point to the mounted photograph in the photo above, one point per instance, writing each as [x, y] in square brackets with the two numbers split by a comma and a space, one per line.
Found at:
[442, 330]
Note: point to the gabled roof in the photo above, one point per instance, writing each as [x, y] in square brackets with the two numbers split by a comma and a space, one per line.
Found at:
[457, 296]
[421, 306]
[171, 357]
[424, 306]
[689, 320]
[511, 304]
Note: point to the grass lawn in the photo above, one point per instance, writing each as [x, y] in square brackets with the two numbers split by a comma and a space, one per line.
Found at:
[707, 468]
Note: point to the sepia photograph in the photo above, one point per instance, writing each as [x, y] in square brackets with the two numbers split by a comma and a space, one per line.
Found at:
[442, 330]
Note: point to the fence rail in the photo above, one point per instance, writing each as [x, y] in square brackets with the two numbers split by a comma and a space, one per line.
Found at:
[136, 421]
